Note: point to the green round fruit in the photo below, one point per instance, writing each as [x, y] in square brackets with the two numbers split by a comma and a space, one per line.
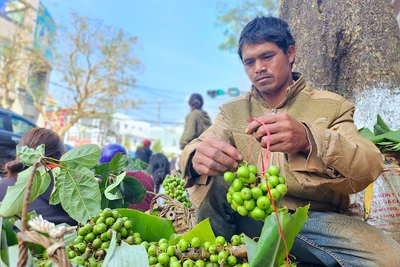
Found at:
[235, 240]
[72, 254]
[232, 260]
[130, 240]
[253, 169]
[163, 247]
[275, 194]
[171, 250]
[281, 179]
[183, 245]
[263, 202]
[163, 258]
[107, 212]
[175, 264]
[220, 240]
[90, 237]
[110, 221]
[200, 263]
[274, 170]
[242, 211]
[237, 197]
[249, 204]
[245, 193]
[81, 247]
[188, 263]
[282, 188]
[152, 250]
[237, 185]
[243, 172]
[229, 176]
[256, 192]
[257, 214]
[274, 180]
[195, 242]
[97, 243]
[79, 260]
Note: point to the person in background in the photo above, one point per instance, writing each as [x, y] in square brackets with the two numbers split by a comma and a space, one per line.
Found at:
[159, 167]
[54, 148]
[106, 155]
[314, 141]
[144, 152]
[197, 121]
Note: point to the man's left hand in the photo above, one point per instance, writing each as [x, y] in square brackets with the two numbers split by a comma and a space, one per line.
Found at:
[287, 134]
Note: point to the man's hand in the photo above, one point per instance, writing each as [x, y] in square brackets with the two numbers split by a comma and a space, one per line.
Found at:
[214, 157]
[287, 134]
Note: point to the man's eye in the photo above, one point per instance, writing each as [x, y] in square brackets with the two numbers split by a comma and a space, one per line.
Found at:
[248, 63]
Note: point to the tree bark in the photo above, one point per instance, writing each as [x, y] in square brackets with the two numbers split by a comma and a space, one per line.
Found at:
[345, 46]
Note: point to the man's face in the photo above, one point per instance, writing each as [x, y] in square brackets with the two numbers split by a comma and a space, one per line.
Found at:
[269, 69]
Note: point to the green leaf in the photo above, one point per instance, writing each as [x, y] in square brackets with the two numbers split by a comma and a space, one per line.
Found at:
[203, 231]
[13, 253]
[28, 155]
[102, 169]
[112, 192]
[270, 249]
[9, 231]
[150, 227]
[135, 253]
[366, 133]
[79, 192]
[118, 162]
[85, 155]
[132, 190]
[382, 125]
[14, 198]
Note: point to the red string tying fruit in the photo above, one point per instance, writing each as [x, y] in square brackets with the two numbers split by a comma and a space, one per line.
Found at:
[264, 168]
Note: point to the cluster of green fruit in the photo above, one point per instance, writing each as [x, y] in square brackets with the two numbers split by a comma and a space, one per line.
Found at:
[88, 248]
[248, 194]
[163, 254]
[173, 186]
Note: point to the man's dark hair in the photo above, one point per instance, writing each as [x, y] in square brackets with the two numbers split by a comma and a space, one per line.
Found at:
[266, 29]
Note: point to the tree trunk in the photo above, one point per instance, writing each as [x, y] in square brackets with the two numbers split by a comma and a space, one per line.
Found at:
[345, 46]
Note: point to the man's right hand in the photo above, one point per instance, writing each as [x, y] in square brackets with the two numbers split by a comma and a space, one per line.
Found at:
[214, 157]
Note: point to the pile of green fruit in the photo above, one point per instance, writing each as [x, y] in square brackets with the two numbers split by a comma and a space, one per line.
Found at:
[88, 248]
[173, 186]
[194, 254]
[251, 194]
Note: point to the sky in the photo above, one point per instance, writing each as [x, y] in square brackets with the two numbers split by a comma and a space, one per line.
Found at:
[178, 47]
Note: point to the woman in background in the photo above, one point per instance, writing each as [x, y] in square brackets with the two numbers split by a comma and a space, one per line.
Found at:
[197, 121]
[54, 148]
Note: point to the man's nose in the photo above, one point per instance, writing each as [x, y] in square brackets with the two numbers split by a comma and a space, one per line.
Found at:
[260, 67]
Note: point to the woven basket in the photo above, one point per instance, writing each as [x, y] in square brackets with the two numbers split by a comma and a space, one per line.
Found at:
[182, 217]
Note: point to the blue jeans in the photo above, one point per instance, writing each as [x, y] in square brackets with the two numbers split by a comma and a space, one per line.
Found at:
[327, 238]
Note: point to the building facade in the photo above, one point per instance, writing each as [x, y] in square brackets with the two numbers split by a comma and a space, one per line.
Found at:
[26, 29]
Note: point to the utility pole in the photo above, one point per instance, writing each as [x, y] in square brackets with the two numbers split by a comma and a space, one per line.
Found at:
[158, 111]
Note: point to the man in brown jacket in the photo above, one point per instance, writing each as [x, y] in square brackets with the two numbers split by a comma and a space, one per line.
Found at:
[313, 140]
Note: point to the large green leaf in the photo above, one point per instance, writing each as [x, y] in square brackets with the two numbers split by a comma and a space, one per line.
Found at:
[14, 198]
[151, 228]
[270, 249]
[203, 231]
[118, 162]
[132, 190]
[28, 155]
[366, 133]
[112, 192]
[86, 155]
[79, 192]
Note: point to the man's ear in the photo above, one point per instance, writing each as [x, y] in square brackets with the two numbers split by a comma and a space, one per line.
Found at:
[291, 52]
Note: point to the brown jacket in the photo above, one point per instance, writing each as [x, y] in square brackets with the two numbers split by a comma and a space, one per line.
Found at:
[197, 121]
[340, 162]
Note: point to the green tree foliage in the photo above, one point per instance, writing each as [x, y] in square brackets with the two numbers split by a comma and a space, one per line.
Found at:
[232, 20]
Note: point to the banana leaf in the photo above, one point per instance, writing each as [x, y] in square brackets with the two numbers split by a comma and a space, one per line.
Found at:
[151, 228]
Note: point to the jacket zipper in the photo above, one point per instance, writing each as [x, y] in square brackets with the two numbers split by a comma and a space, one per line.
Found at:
[273, 110]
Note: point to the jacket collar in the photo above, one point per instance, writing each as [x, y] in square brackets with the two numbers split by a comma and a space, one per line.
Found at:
[298, 85]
